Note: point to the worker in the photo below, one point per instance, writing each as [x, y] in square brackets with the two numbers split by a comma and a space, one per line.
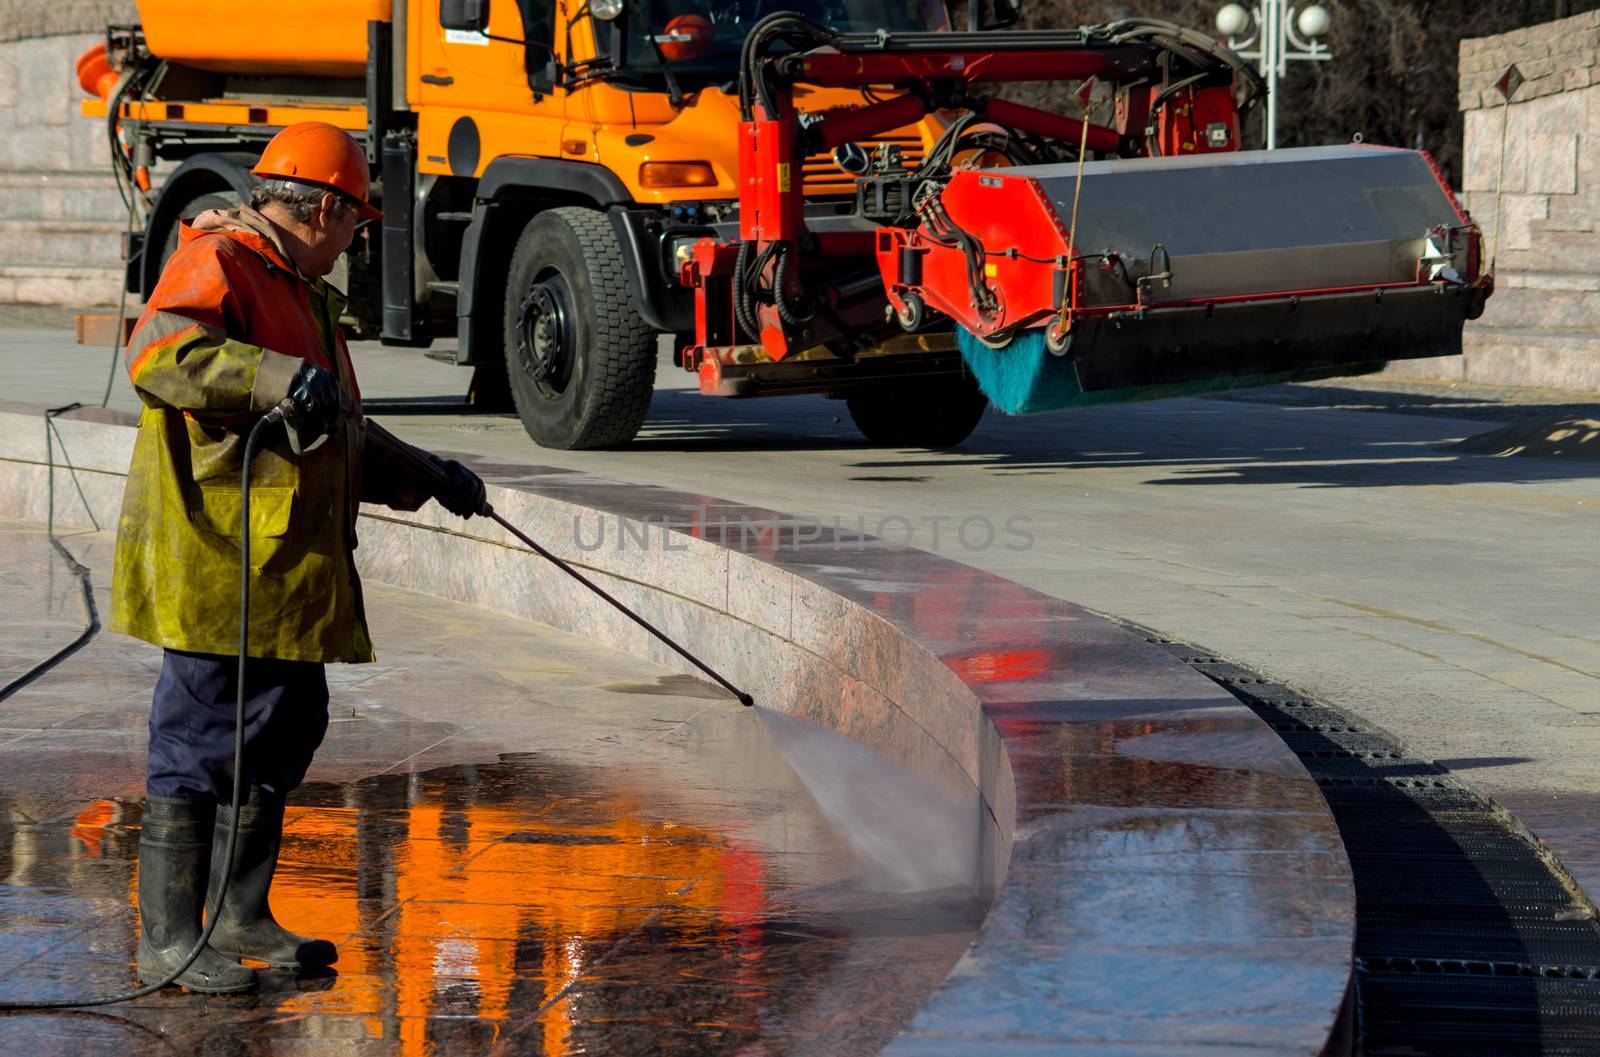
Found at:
[241, 320]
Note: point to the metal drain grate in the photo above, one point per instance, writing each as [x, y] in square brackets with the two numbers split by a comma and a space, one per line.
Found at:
[1469, 939]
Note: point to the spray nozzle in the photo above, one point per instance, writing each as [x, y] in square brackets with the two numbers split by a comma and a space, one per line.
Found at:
[285, 409]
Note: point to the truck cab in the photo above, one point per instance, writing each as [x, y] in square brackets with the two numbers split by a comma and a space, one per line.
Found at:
[545, 167]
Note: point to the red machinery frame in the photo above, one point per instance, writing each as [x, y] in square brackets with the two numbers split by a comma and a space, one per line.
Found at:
[933, 73]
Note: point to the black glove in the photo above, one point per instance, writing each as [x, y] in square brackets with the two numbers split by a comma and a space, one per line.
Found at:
[460, 491]
[317, 401]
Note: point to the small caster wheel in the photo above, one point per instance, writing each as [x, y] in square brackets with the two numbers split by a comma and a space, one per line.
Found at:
[1057, 339]
[912, 312]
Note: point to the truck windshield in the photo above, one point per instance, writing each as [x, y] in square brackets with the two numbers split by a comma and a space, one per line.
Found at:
[700, 39]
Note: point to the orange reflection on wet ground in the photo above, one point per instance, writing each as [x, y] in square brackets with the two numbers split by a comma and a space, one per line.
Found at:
[520, 908]
[471, 882]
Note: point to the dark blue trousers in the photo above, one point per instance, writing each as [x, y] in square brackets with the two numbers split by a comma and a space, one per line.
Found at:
[192, 724]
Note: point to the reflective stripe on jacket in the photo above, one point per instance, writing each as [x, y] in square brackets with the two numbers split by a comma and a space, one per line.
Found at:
[225, 331]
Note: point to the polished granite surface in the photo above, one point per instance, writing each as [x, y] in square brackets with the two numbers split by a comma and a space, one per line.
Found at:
[1165, 876]
[523, 844]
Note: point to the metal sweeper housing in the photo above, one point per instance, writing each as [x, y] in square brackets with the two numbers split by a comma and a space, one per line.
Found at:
[1217, 269]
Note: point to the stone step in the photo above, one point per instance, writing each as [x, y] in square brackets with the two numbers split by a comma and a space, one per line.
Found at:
[62, 204]
[1542, 308]
[61, 242]
[1530, 279]
[60, 196]
[1557, 247]
[1515, 356]
[59, 285]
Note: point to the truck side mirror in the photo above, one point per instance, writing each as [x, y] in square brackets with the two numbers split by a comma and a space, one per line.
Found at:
[992, 14]
[997, 14]
[469, 15]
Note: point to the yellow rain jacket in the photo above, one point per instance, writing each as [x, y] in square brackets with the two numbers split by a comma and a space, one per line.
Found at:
[224, 333]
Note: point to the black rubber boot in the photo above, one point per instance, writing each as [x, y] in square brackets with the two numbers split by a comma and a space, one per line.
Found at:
[174, 862]
[246, 928]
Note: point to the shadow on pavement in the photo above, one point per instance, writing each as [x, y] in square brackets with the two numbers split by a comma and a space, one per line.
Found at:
[1192, 442]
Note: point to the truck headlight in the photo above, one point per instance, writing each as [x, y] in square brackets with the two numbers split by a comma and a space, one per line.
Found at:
[677, 174]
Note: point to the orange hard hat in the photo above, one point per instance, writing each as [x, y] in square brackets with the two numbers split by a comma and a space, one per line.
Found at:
[319, 153]
[688, 37]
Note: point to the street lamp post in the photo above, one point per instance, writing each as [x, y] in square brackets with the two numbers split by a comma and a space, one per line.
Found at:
[1277, 32]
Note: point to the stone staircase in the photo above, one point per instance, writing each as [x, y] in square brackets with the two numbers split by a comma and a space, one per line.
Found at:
[61, 218]
[69, 255]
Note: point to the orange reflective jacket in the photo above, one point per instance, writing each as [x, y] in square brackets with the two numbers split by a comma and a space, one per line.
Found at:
[223, 335]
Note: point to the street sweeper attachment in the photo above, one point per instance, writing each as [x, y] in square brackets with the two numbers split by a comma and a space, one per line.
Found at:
[1189, 273]
[1129, 252]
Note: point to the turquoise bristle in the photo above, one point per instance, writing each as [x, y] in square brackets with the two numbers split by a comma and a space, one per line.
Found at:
[1024, 378]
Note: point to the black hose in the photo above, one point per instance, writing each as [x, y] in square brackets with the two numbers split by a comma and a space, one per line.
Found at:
[780, 290]
[743, 310]
[780, 25]
[128, 188]
[212, 910]
[1137, 28]
[91, 624]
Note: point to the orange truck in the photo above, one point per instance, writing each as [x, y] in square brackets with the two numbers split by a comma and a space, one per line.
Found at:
[843, 199]
[544, 167]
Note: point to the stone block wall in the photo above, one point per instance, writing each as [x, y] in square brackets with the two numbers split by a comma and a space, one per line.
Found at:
[27, 19]
[60, 215]
[1542, 326]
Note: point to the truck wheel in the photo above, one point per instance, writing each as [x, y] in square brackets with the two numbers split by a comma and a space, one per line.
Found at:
[919, 413]
[580, 360]
[191, 209]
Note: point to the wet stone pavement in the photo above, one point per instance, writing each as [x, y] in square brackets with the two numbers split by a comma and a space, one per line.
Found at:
[523, 844]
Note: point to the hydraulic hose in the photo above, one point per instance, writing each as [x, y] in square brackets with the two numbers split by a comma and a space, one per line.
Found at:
[780, 289]
[274, 416]
[91, 623]
[743, 310]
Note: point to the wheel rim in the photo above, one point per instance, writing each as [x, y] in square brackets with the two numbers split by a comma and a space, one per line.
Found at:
[546, 344]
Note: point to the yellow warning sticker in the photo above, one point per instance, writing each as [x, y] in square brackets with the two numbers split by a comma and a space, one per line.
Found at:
[783, 177]
[990, 271]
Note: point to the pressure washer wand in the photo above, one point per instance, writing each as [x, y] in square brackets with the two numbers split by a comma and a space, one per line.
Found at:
[744, 698]
[425, 465]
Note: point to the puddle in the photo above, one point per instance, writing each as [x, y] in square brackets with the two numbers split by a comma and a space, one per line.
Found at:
[529, 905]
[654, 879]
[672, 686]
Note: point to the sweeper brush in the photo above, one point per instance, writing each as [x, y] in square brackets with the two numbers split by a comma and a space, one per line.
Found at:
[1189, 274]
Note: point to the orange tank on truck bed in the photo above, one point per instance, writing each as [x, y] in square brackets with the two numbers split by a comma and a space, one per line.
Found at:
[287, 37]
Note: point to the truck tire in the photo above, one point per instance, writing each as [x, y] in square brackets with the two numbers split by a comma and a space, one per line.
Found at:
[580, 360]
[191, 209]
[938, 412]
